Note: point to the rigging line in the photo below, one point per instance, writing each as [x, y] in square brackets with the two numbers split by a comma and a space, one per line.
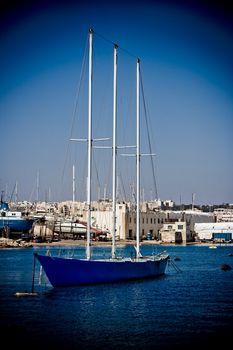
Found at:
[97, 173]
[149, 141]
[123, 187]
[111, 42]
[83, 182]
[127, 122]
[76, 104]
[108, 176]
[12, 192]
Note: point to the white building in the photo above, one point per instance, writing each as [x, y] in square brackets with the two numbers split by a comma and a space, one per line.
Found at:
[190, 217]
[209, 231]
[223, 215]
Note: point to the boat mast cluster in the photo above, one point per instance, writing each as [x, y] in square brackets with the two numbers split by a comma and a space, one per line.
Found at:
[114, 150]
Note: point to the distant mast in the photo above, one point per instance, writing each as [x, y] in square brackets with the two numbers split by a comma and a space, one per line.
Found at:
[73, 197]
[193, 199]
[74, 192]
[16, 192]
[37, 186]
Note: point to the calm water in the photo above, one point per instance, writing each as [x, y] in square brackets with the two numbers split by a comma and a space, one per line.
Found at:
[188, 309]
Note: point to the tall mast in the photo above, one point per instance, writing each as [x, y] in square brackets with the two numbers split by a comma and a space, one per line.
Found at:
[138, 161]
[88, 252]
[114, 150]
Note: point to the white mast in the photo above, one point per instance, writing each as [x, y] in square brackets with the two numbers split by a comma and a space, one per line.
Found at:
[49, 195]
[138, 162]
[74, 187]
[16, 192]
[37, 186]
[73, 184]
[193, 198]
[88, 252]
[114, 151]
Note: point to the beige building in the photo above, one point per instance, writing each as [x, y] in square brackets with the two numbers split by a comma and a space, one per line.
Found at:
[173, 232]
[150, 222]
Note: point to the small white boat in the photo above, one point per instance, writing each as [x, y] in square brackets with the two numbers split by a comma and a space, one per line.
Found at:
[70, 227]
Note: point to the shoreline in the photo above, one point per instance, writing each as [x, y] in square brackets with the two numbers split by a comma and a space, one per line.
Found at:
[9, 243]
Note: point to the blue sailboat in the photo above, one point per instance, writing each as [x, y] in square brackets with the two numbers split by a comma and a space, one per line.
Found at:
[63, 272]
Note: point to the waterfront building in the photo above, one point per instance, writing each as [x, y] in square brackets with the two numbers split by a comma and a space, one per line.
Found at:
[218, 231]
[156, 223]
[173, 232]
[223, 215]
[190, 217]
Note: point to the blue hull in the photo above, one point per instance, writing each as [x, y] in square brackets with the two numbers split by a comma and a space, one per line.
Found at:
[16, 224]
[63, 272]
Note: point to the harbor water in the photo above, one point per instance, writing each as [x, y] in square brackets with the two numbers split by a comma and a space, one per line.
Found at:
[191, 306]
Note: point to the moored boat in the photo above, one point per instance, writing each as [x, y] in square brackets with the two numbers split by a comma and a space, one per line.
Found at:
[63, 272]
[74, 272]
[14, 221]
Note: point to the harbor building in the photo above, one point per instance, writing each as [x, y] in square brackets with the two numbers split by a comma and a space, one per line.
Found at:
[172, 226]
[190, 217]
[218, 231]
[223, 215]
[173, 232]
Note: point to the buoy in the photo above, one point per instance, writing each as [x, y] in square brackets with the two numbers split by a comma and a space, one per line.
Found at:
[25, 294]
[226, 267]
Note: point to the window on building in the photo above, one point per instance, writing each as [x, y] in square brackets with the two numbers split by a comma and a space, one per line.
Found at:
[180, 227]
[151, 221]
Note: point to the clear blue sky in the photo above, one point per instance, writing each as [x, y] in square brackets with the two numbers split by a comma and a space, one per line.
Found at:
[186, 52]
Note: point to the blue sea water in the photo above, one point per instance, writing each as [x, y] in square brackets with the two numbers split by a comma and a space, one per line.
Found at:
[189, 307]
